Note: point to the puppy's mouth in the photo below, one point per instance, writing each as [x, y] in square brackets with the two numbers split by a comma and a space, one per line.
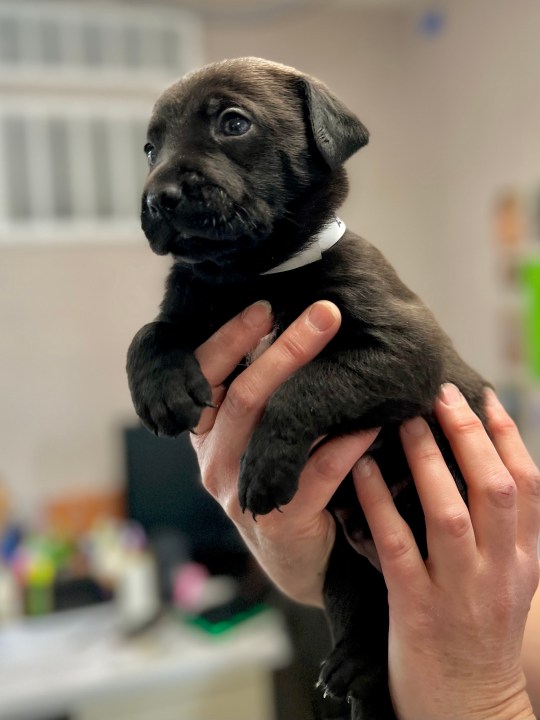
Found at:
[197, 224]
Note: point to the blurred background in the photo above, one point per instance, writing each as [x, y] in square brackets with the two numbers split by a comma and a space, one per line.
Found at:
[92, 508]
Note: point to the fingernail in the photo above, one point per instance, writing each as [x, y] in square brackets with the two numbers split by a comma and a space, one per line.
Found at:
[257, 314]
[415, 427]
[365, 466]
[450, 395]
[322, 316]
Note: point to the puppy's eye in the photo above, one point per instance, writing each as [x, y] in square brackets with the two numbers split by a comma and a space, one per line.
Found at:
[150, 152]
[233, 123]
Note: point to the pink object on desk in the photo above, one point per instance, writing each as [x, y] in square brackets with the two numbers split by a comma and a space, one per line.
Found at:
[188, 586]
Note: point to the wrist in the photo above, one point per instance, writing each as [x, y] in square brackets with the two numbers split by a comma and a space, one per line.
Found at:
[507, 702]
[305, 588]
[517, 708]
[297, 567]
[485, 698]
[513, 707]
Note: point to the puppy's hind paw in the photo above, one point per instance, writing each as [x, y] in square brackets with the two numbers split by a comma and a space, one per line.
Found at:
[362, 681]
[339, 671]
[264, 485]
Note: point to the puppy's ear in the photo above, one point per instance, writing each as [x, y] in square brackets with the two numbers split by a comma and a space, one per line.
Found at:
[338, 133]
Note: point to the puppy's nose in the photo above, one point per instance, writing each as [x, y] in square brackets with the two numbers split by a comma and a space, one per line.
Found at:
[165, 200]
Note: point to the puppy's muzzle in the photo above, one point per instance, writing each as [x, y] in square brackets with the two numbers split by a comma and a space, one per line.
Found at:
[190, 194]
[179, 214]
[164, 201]
[189, 205]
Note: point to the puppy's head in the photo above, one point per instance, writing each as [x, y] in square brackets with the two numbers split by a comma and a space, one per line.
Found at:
[235, 151]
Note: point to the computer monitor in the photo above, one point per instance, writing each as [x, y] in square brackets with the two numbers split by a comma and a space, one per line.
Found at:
[165, 496]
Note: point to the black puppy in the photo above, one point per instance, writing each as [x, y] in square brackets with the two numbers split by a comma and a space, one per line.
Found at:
[246, 174]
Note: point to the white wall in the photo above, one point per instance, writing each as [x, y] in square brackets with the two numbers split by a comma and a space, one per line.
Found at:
[66, 319]
[453, 118]
[477, 90]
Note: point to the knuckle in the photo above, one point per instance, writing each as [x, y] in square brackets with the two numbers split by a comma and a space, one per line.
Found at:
[455, 522]
[291, 347]
[466, 423]
[216, 480]
[395, 545]
[210, 483]
[209, 476]
[532, 576]
[428, 453]
[528, 482]
[241, 399]
[502, 424]
[501, 489]
[327, 464]
[231, 506]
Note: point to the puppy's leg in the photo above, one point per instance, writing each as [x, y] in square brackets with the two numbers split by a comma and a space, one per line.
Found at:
[357, 608]
[349, 391]
[168, 388]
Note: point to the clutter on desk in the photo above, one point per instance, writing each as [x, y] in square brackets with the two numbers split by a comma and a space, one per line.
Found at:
[213, 604]
[42, 572]
[516, 234]
[45, 571]
[516, 231]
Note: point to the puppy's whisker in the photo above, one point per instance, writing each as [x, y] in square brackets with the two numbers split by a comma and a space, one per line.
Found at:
[242, 214]
[291, 218]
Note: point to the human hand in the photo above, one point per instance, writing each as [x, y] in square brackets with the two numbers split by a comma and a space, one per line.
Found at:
[457, 619]
[293, 544]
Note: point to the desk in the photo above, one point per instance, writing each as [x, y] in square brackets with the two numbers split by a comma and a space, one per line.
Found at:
[78, 662]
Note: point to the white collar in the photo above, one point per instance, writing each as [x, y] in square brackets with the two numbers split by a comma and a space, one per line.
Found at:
[324, 240]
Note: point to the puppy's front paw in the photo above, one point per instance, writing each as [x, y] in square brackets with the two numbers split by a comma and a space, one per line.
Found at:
[170, 400]
[269, 472]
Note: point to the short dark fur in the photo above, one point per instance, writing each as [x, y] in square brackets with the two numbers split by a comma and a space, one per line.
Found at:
[229, 207]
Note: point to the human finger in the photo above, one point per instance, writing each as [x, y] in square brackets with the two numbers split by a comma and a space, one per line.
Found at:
[318, 481]
[326, 469]
[450, 535]
[514, 454]
[224, 350]
[491, 488]
[400, 558]
[248, 394]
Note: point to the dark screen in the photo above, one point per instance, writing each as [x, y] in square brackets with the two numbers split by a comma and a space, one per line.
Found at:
[164, 492]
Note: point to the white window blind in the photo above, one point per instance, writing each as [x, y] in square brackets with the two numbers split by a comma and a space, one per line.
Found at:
[77, 89]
